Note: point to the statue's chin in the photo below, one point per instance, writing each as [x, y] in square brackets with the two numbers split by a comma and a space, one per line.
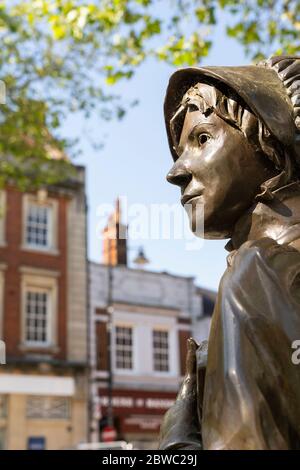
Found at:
[210, 231]
[215, 235]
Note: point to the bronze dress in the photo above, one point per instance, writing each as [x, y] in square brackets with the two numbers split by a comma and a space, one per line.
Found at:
[247, 395]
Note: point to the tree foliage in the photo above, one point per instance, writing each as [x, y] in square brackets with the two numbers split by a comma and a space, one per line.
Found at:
[60, 56]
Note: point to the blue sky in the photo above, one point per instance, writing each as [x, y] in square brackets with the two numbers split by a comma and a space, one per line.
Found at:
[135, 160]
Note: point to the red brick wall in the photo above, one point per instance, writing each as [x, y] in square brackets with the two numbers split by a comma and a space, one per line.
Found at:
[14, 257]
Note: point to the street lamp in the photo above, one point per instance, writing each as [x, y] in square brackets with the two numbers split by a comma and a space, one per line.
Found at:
[141, 259]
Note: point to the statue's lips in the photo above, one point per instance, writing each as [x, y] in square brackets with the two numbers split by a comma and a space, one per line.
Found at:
[188, 198]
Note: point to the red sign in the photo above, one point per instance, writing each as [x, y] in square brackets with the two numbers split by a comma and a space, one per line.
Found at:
[109, 434]
[138, 411]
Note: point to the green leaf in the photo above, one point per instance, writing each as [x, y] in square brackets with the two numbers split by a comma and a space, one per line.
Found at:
[62, 56]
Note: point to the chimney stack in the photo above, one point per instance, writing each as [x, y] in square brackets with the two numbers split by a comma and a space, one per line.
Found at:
[115, 239]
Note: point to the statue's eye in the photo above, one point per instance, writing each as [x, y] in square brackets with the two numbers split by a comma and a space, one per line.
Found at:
[203, 138]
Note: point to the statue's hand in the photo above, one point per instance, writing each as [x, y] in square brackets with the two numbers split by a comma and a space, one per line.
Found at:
[181, 428]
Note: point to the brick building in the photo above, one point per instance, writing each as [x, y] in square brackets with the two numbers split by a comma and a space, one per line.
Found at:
[147, 318]
[43, 316]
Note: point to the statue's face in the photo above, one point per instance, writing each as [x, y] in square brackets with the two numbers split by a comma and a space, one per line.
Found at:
[216, 167]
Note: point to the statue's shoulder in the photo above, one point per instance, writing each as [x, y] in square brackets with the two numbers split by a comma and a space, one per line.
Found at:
[263, 250]
[259, 267]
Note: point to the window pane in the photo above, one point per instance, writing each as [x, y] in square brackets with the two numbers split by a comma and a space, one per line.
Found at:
[161, 350]
[124, 352]
[38, 226]
[37, 316]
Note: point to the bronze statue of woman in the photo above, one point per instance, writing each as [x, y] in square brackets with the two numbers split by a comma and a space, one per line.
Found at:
[234, 134]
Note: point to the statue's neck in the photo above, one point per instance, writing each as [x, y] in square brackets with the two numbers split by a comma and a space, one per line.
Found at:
[278, 219]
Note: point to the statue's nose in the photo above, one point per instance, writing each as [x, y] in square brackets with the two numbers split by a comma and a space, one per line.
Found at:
[178, 175]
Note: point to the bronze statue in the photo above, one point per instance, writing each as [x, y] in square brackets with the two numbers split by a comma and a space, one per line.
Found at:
[234, 134]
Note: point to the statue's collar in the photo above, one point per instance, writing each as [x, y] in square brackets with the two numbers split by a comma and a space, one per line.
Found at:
[278, 218]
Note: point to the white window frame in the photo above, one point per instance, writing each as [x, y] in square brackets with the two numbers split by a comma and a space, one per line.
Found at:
[52, 204]
[32, 282]
[47, 305]
[114, 342]
[142, 325]
[164, 330]
[2, 217]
